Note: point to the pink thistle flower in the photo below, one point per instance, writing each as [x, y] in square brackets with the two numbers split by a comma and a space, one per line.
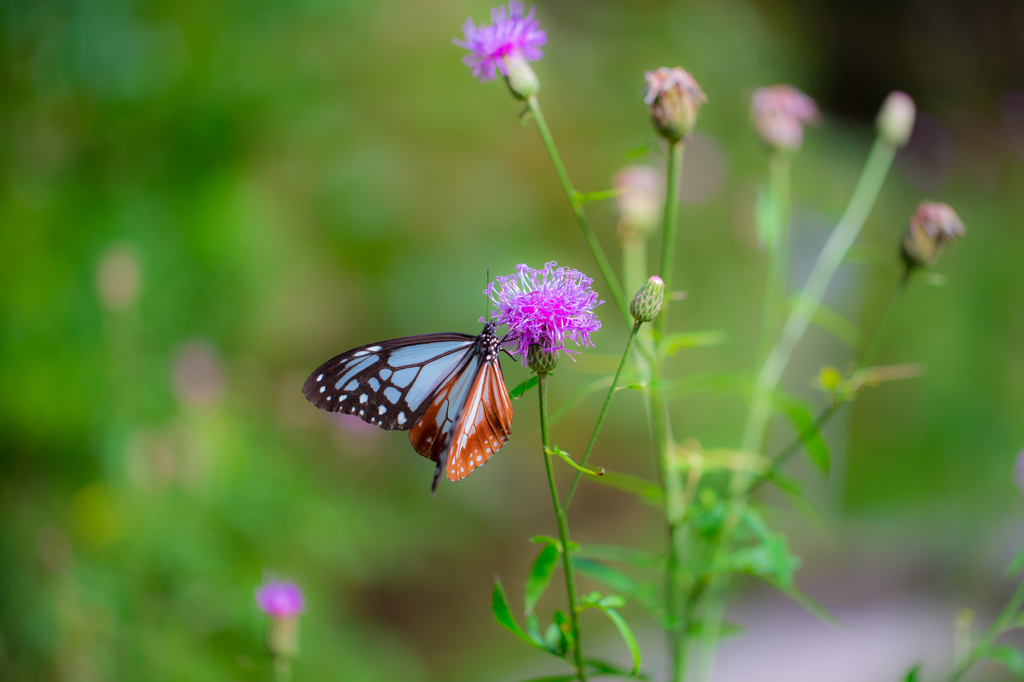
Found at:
[280, 600]
[510, 34]
[780, 113]
[545, 307]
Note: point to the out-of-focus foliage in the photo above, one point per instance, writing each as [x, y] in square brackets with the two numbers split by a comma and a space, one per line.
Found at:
[199, 202]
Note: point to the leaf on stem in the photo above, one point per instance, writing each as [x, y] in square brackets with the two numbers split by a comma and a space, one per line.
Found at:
[579, 396]
[1009, 656]
[779, 563]
[809, 603]
[540, 576]
[643, 593]
[696, 384]
[607, 606]
[634, 557]
[583, 198]
[831, 321]
[637, 152]
[1017, 564]
[554, 678]
[794, 493]
[673, 343]
[646, 490]
[555, 450]
[520, 390]
[799, 413]
[503, 614]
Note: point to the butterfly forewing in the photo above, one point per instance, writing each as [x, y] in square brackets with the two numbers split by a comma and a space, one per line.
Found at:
[389, 384]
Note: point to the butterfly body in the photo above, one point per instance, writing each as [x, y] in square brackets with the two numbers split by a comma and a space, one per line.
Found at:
[447, 390]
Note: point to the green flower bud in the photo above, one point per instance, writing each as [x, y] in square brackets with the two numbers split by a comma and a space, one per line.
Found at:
[283, 637]
[673, 100]
[896, 118]
[932, 227]
[647, 303]
[540, 360]
[521, 79]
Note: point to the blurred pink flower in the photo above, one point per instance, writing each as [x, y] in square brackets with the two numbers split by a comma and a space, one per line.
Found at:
[780, 113]
[279, 600]
[511, 33]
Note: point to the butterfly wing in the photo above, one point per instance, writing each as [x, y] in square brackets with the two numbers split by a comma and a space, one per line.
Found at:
[469, 419]
[485, 426]
[390, 384]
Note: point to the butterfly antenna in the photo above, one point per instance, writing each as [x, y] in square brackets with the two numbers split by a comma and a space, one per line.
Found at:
[487, 309]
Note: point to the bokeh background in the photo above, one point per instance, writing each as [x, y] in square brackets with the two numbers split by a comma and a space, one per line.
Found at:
[202, 201]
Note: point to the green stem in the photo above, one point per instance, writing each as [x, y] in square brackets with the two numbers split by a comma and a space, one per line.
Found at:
[563, 529]
[778, 253]
[282, 669]
[868, 354]
[577, 208]
[831, 256]
[668, 247]
[604, 412]
[997, 628]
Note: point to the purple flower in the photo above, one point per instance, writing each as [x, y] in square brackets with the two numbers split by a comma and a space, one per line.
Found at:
[780, 113]
[545, 307]
[511, 33]
[279, 600]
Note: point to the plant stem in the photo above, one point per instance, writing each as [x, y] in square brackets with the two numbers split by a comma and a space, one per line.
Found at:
[282, 669]
[997, 628]
[668, 247]
[774, 305]
[563, 528]
[604, 412]
[868, 354]
[577, 208]
[831, 256]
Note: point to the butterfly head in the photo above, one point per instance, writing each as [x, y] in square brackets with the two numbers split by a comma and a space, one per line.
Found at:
[490, 341]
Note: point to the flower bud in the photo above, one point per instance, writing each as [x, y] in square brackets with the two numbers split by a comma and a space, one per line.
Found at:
[895, 120]
[647, 303]
[283, 637]
[540, 360]
[931, 228]
[780, 113]
[643, 194]
[519, 75]
[673, 100]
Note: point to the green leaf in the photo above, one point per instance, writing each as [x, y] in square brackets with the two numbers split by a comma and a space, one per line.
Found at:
[699, 383]
[780, 562]
[613, 578]
[533, 630]
[553, 678]
[520, 390]
[637, 152]
[725, 629]
[624, 631]
[602, 667]
[566, 639]
[555, 450]
[581, 394]
[600, 195]
[793, 491]
[803, 422]
[503, 614]
[1009, 656]
[809, 603]
[646, 490]
[625, 555]
[914, 674]
[540, 576]
[673, 343]
[766, 218]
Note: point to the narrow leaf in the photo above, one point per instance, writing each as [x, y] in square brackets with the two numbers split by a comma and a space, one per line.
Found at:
[608, 668]
[627, 635]
[555, 450]
[600, 194]
[809, 603]
[914, 674]
[646, 490]
[553, 678]
[520, 390]
[1009, 656]
[613, 578]
[796, 497]
[579, 396]
[803, 422]
[633, 557]
[540, 576]
[637, 152]
[699, 383]
[673, 343]
[1017, 564]
[832, 322]
[503, 614]
[782, 562]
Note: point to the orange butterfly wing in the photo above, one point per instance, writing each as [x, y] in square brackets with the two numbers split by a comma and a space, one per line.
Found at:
[485, 424]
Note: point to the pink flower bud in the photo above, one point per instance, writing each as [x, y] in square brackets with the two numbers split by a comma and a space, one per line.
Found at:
[673, 100]
[780, 113]
[896, 118]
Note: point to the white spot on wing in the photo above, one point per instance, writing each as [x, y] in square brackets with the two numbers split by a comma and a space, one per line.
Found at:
[374, 384]
[385, 373]
[352, 385]
[362, 398]
[382, 410]
[320, 378]
[323, 388]
[374, 348]
[401, 417]
[392, 394]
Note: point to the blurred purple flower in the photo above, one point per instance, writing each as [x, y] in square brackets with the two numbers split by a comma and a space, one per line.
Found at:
[780, 113]
[545, 307]
[279, 600]
[511, 33]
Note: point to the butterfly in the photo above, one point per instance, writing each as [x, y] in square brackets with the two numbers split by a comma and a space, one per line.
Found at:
[447, 390]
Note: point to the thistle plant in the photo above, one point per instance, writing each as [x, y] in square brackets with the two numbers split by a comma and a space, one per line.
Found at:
[283, 603]
[714, 526]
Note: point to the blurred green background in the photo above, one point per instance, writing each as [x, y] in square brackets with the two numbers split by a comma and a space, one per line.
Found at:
[202, 201]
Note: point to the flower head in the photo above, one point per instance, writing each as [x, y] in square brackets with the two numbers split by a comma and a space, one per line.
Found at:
[545, 307]
[780, 113]
[647, 303]
[279, 600]
[895, 120]
[932, 227]
[673, 100]
[643, 193]
[511, 34]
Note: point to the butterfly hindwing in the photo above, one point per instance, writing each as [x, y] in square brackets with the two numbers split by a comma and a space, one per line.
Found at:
[485, 425]
[388, 384]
